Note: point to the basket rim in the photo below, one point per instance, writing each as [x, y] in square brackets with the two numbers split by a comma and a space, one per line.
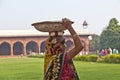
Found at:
[44, 22]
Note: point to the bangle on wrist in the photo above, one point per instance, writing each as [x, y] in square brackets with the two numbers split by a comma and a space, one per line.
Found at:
[75, 35]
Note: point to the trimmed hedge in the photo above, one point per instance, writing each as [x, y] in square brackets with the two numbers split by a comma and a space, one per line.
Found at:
[114, 58]
[36, 55]
[92, 58]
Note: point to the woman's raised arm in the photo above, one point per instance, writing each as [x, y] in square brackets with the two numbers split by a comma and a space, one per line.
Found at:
[77, 41]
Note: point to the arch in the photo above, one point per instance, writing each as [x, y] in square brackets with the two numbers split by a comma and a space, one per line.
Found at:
[18, 48]
[42, 46]
[84, 45]
[32, 47]
[5, 49]
[33, 43]
[69, 44]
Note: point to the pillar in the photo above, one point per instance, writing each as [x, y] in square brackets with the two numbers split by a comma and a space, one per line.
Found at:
[11, 51]
[24, 50]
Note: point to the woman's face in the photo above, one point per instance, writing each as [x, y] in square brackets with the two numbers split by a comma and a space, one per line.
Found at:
[60, 47]
[63, 48]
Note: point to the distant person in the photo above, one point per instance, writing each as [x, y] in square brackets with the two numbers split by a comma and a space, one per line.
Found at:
[110, 51]
[102, 52]
[115, 51]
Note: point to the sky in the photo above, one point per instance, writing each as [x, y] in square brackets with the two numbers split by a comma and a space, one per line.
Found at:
[20, 14]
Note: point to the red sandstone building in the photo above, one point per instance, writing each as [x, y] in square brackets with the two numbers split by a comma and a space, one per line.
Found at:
[22, 42]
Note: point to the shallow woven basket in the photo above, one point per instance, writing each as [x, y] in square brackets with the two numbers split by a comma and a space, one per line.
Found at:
[49, 26]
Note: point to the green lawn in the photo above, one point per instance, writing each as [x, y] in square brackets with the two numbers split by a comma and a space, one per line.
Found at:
[32, 69]
[21, 69]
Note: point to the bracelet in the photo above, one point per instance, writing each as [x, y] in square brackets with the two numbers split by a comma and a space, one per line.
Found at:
[75, 35]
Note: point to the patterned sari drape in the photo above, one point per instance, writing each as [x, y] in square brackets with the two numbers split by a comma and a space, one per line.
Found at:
[56, 66]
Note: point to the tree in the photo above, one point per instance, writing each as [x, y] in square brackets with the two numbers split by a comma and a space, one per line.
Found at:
[94, 43]
[110, 37]
[113, 25]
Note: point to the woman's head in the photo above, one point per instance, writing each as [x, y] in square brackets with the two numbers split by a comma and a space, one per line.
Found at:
[57, 36]
[55, 43]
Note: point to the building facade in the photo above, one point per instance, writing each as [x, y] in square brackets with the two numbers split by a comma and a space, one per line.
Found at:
[24, 42]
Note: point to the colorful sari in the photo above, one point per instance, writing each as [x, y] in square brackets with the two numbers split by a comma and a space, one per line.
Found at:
[56, 66]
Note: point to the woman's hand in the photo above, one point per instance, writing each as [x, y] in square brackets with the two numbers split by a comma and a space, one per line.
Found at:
[66, 22]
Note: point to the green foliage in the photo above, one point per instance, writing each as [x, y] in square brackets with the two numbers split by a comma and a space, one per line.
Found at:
[109, 39]
[114, 58]
[83, 58]
[36, 55]
[77, 57]
[91, 58]
[94, 43]
[111, 35]
[113, 25]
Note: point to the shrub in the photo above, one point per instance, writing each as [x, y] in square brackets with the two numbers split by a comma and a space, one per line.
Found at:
[106, 58]
[118, 59]
[36, 55]
[80, 57]
[114, 58]
[77, 57]
[92, 58]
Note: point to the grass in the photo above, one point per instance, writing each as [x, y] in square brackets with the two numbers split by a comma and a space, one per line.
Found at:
[32, 69]
[21, 69]
[97, 71]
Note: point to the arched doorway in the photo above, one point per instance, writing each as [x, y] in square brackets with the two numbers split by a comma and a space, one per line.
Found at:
[32, 47]
[5, 49]
[84, 47]
[69, 44]
[42, 47]
[18, 48]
